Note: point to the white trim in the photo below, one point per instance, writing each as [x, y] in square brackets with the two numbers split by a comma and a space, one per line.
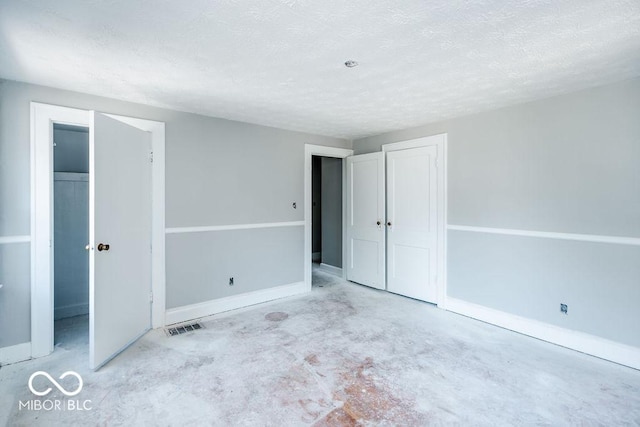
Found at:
[440, 141]
[5, 240]
[43, 116]
[580, 341]
[331, 269]
[326, 151]
[208, 308]
[206, 228]
[634, 241]
[311, 150]
[445, 220]
[424, 141]
[344, 217]
[15, 353]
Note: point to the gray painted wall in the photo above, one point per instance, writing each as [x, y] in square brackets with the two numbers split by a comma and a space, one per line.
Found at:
[218, 172]
[71, 234]
[71, 220]
[531, 276]
[252, 257]
[71, 152]
[15, 268]
[331, 206]
[565, 164]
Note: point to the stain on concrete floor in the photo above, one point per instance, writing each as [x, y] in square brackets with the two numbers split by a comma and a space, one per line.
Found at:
[276, 316]
[367, 400]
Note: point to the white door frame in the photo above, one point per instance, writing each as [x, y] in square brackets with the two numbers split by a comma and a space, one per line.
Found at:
[440, 141]
[311, 150]
[43, 116]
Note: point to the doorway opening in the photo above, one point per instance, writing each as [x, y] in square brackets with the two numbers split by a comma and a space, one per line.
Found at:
[71, 234]
[326, 214]
[110, 136]
[339, 154]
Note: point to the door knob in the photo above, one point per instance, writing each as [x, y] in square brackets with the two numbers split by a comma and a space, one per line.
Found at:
[88, 247]
[389, 224]
[378, 223]
[103, 247]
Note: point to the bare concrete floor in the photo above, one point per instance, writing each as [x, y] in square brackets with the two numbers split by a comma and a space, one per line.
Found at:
[342, 355]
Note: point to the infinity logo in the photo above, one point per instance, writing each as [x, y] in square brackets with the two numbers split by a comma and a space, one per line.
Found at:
[55, 383]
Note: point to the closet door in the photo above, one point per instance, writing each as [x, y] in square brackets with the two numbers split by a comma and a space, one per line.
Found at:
[412, 223]
[120, 237]
[365, 220]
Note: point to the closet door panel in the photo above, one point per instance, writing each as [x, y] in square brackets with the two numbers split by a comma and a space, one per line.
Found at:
[412, 223]
[365, 220]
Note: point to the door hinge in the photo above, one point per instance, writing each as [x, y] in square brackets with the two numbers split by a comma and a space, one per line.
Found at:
[437, 163]
[151, 156]
[150, 296]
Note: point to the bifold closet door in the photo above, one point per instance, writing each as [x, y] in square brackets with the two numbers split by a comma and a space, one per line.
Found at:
[412, 223]
[365, 220]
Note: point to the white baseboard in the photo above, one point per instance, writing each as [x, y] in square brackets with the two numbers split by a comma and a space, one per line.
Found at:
[207, 308]
[331, 269]
[580, 341]
[70, 311]
[15, 353]
[316, 256]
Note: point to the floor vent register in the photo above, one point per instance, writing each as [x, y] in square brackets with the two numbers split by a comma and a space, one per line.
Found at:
[182, 329]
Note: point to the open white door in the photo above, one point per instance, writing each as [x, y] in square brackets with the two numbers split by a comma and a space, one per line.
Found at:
[120, 237]
[365, 220]
[412, 207]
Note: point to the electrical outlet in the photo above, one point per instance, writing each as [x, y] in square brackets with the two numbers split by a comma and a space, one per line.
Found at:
[230, 281]
[564, 308]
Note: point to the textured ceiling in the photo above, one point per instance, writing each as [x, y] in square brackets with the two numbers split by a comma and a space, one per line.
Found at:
[281, 62]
